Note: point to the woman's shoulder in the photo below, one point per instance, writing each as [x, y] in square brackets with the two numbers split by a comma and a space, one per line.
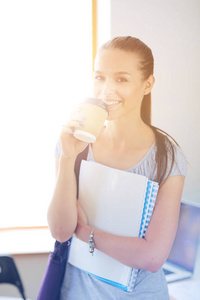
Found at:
[177, 161]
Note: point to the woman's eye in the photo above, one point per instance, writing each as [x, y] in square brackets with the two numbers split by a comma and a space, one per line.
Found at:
[121, 79]
[98, 78]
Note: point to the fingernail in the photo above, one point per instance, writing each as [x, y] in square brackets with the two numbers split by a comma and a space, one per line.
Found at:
[72, 130]
[82, 118]
[80, 124]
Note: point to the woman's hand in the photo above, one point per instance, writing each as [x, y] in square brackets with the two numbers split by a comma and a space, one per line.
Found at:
[70, 145]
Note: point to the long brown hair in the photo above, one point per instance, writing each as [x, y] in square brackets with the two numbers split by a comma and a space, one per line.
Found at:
[164, 144]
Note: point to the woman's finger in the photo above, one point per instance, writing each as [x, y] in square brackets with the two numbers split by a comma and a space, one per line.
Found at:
[74, 124]
[67, 130]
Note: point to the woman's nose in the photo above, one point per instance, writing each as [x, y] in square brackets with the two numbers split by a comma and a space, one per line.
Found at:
[108, 87]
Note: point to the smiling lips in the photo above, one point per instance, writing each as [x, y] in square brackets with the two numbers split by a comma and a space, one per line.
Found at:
[111, 102]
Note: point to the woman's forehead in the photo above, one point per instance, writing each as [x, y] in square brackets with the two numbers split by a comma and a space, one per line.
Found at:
[116, 60]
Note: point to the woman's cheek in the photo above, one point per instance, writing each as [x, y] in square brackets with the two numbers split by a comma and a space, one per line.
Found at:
[96, 90]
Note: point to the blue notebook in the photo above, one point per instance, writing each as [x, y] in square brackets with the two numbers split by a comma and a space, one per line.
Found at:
[117, 202]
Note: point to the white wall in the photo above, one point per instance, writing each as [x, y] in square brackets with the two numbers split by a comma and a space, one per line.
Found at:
[172, 30]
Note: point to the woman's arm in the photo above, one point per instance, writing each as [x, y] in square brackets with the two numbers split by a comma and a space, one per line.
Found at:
[151, 252]
[62, 212]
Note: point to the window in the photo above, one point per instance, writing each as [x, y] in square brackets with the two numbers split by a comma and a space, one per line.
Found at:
[46, 68]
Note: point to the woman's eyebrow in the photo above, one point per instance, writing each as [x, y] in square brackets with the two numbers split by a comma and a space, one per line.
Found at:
[96, 71]
[116, 73]
[122, 73]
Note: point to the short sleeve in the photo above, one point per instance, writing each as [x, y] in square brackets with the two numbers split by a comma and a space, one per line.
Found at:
[57, 151]
[180, 163]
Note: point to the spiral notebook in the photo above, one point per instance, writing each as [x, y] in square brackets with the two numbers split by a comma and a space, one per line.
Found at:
[117, 202]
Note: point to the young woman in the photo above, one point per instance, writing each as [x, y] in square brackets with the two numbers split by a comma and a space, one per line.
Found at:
[123, 79]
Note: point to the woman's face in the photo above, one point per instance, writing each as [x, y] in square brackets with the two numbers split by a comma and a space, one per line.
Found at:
[118, 82]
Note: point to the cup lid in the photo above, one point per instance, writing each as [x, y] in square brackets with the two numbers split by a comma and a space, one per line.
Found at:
[85, 136]
[98, 102]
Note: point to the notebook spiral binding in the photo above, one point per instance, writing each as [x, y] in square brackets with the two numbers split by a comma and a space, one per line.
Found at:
[151, 193]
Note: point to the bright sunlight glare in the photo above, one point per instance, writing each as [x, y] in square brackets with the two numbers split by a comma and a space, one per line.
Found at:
[46, 68]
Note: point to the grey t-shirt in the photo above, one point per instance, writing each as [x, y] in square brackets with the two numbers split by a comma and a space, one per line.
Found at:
[78, 285]
[146, 165]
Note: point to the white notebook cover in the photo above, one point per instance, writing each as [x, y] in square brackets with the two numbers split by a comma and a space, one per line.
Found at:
[113, 201]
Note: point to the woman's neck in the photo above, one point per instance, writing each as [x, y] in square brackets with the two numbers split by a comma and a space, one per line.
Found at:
[123, 133]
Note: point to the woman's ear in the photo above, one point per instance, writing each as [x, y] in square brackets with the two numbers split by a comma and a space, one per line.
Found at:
[149, 84]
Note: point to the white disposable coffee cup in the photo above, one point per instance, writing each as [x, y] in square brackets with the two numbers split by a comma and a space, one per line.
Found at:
[94, 112]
